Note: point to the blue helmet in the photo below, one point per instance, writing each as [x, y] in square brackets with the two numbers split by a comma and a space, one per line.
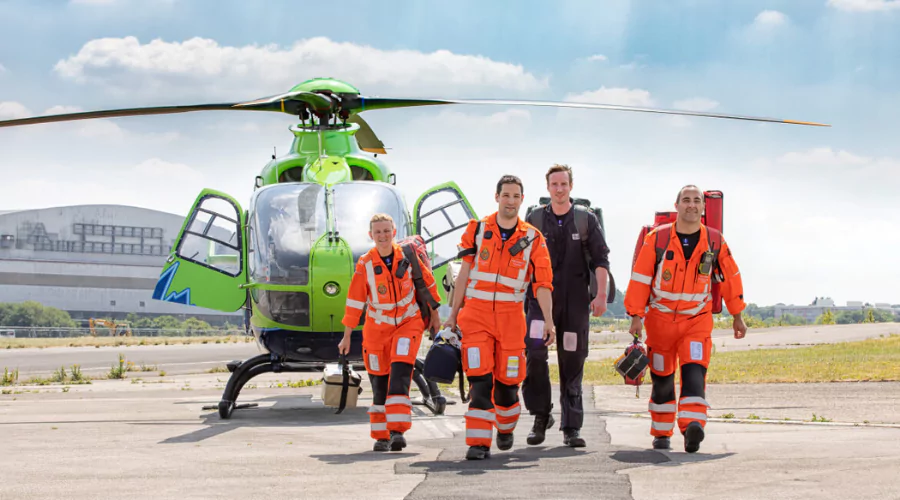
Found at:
[444, 358]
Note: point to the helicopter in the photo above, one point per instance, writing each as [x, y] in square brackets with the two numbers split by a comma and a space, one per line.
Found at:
[287, 260]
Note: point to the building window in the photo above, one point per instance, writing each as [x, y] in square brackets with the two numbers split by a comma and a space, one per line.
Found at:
[142, 303]
[112, 302]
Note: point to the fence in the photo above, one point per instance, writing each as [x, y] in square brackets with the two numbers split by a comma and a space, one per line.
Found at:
[43, 332]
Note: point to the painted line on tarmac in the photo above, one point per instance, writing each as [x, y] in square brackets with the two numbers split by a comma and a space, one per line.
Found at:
[761, 421]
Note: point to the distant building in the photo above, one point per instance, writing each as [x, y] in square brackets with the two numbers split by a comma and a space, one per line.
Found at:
[92, 261]
[816, 309]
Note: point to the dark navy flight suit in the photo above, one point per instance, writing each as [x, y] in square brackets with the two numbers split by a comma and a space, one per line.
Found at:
[571, 316]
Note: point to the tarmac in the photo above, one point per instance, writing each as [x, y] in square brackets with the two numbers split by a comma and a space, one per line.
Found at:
[149, 437]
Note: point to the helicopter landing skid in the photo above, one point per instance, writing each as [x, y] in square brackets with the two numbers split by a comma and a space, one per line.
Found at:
[242, 372]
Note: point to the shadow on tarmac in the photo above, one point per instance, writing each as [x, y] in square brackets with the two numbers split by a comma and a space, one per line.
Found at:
[453, 460]
[288, 411]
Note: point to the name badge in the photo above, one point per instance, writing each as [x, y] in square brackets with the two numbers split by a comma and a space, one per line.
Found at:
[576, 236]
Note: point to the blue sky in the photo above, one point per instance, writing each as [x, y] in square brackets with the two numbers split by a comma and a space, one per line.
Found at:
[815, 194]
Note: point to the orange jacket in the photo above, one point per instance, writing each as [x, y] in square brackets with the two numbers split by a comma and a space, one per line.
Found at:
[677, 287]
[390, 300]
[497, 277]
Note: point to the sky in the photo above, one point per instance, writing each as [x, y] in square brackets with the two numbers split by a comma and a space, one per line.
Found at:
[809, 211]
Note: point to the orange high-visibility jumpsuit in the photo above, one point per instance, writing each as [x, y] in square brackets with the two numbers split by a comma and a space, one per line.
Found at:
[679, 323]
[492, 322]
[392, 335]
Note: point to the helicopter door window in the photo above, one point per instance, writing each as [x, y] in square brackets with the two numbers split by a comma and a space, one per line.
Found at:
[212, 237]
[442, 219]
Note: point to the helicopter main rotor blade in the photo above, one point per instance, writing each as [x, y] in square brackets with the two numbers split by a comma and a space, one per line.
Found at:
[366, 137]
[370, 103]
[112, 113]
[318, 103]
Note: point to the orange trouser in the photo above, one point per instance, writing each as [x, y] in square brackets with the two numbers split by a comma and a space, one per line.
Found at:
[381, 348]
[685, 341]
[493, 358]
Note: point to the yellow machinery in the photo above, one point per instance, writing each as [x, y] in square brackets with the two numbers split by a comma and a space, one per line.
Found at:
[114, 328]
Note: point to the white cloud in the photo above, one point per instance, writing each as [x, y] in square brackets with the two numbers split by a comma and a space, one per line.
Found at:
[770, 18]
[93, 2]
[696, 104]
[865, 5]
[615, 95]
[11, 110]
[2, 68]
[161, 169]
[200, 67]
[598, 58]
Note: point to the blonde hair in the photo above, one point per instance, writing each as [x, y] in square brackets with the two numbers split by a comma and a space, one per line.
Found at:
[380, 218]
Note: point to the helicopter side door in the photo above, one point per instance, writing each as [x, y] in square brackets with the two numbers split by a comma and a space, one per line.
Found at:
[208, 261]
[440, 216]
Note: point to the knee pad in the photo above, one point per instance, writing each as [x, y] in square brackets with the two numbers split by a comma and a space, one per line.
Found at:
[663, 388]
[505, 395]
[401, 375]
[379, 388]
[693, 380]
[480, 391]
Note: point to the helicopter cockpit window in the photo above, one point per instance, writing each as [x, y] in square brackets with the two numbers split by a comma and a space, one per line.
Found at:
[212, 238]
[361, 174]
[294, 174]
[287, 219]
[354, 206]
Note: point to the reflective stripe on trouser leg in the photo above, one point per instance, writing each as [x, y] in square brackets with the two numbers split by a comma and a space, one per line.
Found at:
[691, 409]
[507, 418]
[662, 418]
[378, 422]
[399, 413]
[480, 427]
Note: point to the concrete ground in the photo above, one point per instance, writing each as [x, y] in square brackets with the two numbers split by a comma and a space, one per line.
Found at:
[152, 439]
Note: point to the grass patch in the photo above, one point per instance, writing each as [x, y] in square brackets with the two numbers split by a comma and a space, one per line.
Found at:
[23, 343]
[872, 360]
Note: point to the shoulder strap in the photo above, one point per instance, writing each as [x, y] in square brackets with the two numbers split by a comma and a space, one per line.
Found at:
[663, 233]
[345, 383]
[418, 281]
[536, 218]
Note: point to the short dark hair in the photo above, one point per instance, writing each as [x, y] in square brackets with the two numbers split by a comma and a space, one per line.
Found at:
[510, 179]
[678, 196]
[559, 168]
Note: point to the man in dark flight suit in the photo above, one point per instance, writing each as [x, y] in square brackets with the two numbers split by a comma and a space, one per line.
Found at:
[571, 306]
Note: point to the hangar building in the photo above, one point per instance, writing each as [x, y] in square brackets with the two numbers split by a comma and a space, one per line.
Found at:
[92, 261]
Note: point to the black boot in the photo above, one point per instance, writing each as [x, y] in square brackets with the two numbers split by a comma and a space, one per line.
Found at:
[573, 439]
[398, 442]
[382, 445]
[504, 441]
[539, 430]
[478, 453]
[693, 435]
[662, 443]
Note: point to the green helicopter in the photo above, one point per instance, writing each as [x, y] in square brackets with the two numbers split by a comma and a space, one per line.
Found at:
[288, 259]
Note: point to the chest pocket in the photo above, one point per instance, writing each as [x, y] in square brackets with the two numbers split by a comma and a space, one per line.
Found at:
[667, 274]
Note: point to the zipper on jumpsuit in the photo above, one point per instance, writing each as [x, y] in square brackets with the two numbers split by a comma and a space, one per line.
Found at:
[496, 280]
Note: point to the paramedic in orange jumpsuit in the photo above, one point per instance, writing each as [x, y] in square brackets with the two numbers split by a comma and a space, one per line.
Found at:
[501, 256]
[392, 332]
[680, 321]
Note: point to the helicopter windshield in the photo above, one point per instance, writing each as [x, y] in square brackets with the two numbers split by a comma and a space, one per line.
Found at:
[354, 205]
[287, 219]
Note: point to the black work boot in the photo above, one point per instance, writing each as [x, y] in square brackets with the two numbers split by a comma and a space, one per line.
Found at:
[662, 443]
[382, 445]
[504, 441]
[398, 442]
[539, 430]
[693, 435]
[478, 453]
[572, 438]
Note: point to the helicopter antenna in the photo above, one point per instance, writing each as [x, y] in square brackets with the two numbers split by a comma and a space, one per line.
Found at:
[274, 152]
